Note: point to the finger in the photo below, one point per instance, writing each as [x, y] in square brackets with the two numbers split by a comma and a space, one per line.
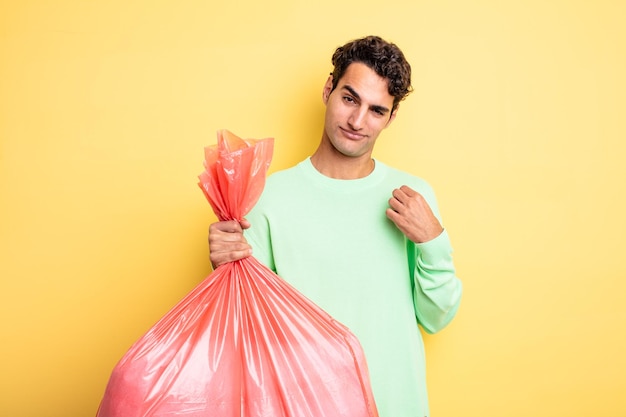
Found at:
[232, 226]
[401, 198]
[223, 249]
[227, 226]
[221, 258]
[395, 204]
[392, 215]
[400, 195]
[217, 237]
[409, 197]
[408, 191]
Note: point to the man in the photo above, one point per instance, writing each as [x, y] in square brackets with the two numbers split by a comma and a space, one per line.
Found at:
[357, 237]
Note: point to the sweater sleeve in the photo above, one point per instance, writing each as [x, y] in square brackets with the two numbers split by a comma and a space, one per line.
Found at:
[259, 237]
[436, 288]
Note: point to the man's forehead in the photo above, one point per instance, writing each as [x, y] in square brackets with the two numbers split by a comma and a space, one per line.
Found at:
[360, 80]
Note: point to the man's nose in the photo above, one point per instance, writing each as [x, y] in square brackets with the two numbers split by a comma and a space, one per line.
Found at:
[357, 118]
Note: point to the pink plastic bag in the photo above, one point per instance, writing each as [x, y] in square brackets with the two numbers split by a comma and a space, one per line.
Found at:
[243, 342]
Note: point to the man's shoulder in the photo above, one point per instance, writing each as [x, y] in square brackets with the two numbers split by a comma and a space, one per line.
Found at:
[281, 184]
[281, 189]
[403, 177]
[285, 175]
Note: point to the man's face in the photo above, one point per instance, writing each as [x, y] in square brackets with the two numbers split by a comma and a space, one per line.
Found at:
[357, 110]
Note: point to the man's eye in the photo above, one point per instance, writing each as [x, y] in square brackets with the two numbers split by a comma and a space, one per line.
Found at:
[348, 99]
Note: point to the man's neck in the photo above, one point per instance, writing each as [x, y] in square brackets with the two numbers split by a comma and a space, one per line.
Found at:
[341, 167]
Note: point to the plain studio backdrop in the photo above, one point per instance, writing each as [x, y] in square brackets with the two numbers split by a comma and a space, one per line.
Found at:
[517, 120]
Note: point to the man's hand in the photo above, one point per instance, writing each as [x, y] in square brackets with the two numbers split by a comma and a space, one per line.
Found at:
[412, 215]
[227, 243]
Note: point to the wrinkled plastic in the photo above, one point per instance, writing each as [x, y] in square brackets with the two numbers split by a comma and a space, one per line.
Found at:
[243, 343]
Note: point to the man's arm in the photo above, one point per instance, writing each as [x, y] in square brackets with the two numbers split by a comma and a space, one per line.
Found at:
[437, 290]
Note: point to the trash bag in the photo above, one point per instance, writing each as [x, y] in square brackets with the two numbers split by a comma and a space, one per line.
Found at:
[243, 343]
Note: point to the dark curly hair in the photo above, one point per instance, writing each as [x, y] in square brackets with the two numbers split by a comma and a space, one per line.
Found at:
[385, 58]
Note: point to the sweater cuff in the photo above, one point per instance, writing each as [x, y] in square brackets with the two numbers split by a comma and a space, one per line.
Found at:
[433, 251]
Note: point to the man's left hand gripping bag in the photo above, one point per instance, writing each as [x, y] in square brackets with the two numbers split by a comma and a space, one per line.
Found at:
[243, 343]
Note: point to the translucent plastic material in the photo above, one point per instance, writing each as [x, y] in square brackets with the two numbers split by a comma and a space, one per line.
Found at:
[243, 343]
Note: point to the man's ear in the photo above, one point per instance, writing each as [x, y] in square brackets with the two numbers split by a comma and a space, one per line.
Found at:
[394, 113]
[328, 88]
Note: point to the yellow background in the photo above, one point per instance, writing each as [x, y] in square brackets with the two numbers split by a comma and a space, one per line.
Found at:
[517, 120]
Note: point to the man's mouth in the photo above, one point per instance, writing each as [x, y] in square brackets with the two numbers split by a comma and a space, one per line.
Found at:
[351, 134]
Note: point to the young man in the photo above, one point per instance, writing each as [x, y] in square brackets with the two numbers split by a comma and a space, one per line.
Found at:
[357, 237]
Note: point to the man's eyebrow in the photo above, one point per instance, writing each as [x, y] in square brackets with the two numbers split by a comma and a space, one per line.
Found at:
[352, 91]
[380, 109]
[377, 108]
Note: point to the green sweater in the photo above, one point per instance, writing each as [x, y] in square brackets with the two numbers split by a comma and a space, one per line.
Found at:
[332, 241]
